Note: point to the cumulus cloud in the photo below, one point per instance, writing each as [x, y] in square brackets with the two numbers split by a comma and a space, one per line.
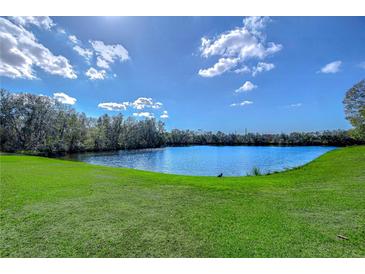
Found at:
[84, 52]
[64, 98]
[73, 39]
[256, 23]
[164, 115]
[140, 104]
[144, 114]
[262, 66]
[332, 67]
[241, 104]
[222, 66]
[101, 63]
[240, 44]
[21, 52]
[247, 86]
[43, 22]
[108, 54]
[243, 69]
[95, 74]
[114, 106]
[143, 102]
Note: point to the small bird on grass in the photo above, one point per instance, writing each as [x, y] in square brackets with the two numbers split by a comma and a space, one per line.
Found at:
[220, 175]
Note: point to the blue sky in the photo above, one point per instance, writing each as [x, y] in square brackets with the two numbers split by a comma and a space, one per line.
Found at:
[277, 74]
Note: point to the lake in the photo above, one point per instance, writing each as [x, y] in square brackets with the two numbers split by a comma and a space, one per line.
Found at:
[206, 160]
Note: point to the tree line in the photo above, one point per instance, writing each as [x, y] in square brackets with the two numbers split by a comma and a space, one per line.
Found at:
[36, 123]
[40, 124]
[324, 138]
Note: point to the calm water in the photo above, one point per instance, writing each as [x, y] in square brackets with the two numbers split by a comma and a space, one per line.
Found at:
[206, 160]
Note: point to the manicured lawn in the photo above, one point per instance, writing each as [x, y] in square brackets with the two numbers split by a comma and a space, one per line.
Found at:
[57, 208]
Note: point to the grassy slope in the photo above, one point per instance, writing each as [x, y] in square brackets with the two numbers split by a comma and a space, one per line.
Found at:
[56, 208]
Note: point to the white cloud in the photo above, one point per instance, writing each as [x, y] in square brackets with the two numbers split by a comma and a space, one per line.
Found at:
[240, 44]
[157, 105]
[114, 106]
[144, 114]
[21, 52]
[139, 104]
[247, 86]
[332, 67]
[164, 115]
[222, 66]
[73, 39]
[61, 31]
[256, 23]
[86, 53]
[94, 74]
[143, 102]
[362, 65]
[101, 63]
[108, 54]
[243, 103]
[64, 98]
[297, 105]
[235, 43]
[243, 69]
[262, 66]
[43, 22]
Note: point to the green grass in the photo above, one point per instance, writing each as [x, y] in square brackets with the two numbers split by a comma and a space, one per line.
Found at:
[58, 208]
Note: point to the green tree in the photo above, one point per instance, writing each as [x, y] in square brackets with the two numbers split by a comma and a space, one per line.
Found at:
[355, 109]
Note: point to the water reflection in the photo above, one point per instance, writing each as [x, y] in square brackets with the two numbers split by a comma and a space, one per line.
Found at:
[206, 160]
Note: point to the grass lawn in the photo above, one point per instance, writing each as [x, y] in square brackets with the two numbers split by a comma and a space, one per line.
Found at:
[58, 208]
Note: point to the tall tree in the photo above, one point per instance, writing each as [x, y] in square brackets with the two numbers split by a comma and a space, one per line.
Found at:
[355, 109]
